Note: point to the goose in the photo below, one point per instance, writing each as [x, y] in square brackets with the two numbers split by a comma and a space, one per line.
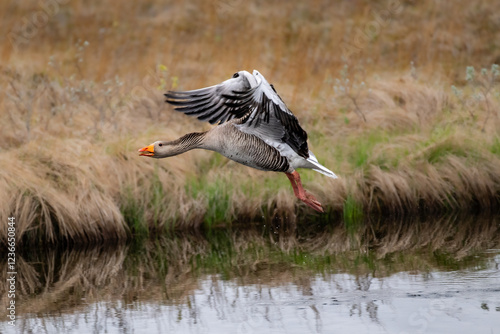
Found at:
[254, 128]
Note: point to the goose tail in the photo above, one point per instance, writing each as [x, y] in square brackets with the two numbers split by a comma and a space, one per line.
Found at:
[316, 166]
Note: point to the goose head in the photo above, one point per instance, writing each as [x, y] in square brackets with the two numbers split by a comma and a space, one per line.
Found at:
[164, 149]
[159, 149]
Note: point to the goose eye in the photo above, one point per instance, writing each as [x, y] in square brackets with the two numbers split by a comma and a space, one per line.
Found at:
[235, 75]
[160, 144]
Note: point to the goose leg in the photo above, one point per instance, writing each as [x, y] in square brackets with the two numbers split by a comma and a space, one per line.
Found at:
[301, 193]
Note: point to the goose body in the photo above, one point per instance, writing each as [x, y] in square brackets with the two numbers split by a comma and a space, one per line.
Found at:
[255, 128]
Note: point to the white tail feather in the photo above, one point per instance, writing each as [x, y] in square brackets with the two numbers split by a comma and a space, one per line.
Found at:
[319, 167]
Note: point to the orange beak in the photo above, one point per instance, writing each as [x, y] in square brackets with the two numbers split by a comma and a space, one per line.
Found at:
[148, 151]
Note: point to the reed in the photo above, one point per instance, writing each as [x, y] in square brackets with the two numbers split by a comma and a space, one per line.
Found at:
[84, 92]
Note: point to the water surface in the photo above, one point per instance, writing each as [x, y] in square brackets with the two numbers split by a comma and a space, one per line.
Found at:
[386, 277]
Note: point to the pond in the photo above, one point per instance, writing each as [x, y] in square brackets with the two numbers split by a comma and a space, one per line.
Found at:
[398, 276]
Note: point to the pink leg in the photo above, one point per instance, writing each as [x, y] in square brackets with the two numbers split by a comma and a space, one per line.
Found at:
[301, 193]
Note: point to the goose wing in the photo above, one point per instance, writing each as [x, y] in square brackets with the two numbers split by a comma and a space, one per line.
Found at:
[251, 99]
[271, 120]
[215, 104]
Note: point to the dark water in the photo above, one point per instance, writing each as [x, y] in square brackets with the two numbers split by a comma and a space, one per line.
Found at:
[438, 276]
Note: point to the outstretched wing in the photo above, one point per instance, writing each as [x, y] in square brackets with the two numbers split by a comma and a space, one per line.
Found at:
[215, 104]
[262, 112]
[271, 120]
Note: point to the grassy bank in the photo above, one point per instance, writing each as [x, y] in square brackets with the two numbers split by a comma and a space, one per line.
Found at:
[84, 92]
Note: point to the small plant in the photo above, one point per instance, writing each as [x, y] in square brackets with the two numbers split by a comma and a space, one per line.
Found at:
[80, 48]
[483, 86]
[413, 70]
[24, 93]
[105, 97]
[350, 90]
[133, 213]
[352, 212]
[466, 103]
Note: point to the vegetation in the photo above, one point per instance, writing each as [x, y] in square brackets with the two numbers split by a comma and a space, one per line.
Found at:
[400, 108]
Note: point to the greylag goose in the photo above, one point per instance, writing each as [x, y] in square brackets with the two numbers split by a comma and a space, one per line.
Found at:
[255, 128]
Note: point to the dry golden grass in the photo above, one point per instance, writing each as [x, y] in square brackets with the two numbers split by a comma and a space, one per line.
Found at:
[73, 114]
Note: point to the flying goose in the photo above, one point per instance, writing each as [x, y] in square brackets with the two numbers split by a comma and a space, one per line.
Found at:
[255, 128]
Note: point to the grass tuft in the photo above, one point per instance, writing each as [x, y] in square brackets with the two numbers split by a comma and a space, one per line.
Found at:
[352, 213]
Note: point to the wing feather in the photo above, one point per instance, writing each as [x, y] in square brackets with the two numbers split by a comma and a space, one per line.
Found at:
[215, 104]
[272, 122]
[261, 110]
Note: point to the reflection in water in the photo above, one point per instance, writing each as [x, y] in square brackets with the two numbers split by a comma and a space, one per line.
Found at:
[380, 277]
